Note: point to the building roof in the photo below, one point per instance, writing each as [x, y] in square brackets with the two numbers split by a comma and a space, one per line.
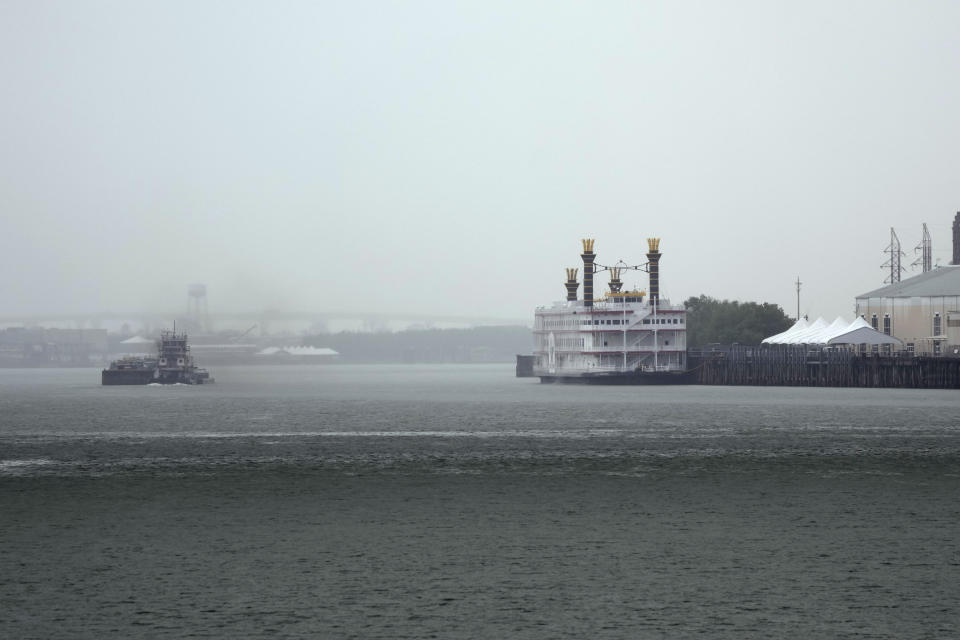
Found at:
[942, 281]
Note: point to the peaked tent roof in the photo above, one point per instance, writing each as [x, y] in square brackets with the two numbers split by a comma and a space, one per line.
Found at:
[863, 334]
[137, 340]
[942, 281]
[796, 330]
[818, 333]
[798, 326]
[859, 323]
[838, 332]
[837, 327]
[801, 337]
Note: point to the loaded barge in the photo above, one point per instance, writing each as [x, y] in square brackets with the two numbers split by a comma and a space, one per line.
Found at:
[173, 364]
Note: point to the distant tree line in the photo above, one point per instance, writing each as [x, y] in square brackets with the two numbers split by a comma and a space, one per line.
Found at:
[728, 321]
[478, 344]
[708, 320]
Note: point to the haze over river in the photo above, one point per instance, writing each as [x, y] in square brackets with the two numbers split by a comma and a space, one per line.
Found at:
[460, 502]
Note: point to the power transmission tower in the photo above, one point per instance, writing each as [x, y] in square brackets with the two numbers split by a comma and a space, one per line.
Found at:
[893, 263]
[925, 249]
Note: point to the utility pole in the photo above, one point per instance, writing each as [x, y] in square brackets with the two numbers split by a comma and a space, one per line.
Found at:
[798, 283]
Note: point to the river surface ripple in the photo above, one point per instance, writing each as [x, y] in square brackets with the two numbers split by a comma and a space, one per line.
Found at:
[460, 502]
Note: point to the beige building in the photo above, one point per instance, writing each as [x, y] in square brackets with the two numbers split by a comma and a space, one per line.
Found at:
[922, 311]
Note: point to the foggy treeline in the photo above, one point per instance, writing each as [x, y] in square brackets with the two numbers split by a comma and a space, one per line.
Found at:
[729, 321]
[479, 344]
[709, 320]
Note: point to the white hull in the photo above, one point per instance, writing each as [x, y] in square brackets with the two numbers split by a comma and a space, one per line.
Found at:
[609, 338]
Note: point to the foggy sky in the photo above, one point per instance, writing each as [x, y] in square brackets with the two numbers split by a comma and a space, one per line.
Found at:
[447, 157]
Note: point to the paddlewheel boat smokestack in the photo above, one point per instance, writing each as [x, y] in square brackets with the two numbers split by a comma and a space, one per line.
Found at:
[588, 257]
[653, 244]
[571, 284]
[615, 283]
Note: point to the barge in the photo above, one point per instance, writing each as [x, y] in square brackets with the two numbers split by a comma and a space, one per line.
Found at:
[173, 364]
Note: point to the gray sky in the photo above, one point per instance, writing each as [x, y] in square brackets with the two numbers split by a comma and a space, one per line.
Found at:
[446, 157]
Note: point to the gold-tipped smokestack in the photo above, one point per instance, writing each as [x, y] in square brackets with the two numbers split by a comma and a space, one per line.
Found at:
[588, 258]
[571, 284]
[653, 267]
[615, 283]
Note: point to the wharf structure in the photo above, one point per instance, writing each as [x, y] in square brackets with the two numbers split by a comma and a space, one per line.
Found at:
[905, 335]
[821, 355]
[621, 338]
[801, 365]
[820, 366]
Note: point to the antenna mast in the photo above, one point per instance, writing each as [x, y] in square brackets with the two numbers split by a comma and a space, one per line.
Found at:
[893, 263]
[925, 249]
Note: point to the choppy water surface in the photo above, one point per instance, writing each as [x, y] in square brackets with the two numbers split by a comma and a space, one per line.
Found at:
[461, 502]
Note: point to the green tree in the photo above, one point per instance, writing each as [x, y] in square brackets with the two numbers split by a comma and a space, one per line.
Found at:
[728, 321]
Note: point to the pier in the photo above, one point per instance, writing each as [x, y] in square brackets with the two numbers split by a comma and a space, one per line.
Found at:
[805, 366]
[796, 366]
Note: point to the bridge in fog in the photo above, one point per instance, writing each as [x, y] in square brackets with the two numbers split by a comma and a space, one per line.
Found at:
[266, 320]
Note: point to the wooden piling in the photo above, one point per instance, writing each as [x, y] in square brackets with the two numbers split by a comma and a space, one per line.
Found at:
[812, 366]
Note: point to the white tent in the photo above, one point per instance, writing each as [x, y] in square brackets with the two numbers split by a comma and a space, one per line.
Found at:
[310, 351]
[837, 332]
[860, 332]
[297, 351]
[836, 328]
[798, 326]
[801, 336]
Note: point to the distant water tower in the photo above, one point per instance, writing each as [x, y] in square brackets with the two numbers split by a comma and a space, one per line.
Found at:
[197, 307]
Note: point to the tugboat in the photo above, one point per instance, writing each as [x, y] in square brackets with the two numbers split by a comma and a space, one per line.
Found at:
[172, 365]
